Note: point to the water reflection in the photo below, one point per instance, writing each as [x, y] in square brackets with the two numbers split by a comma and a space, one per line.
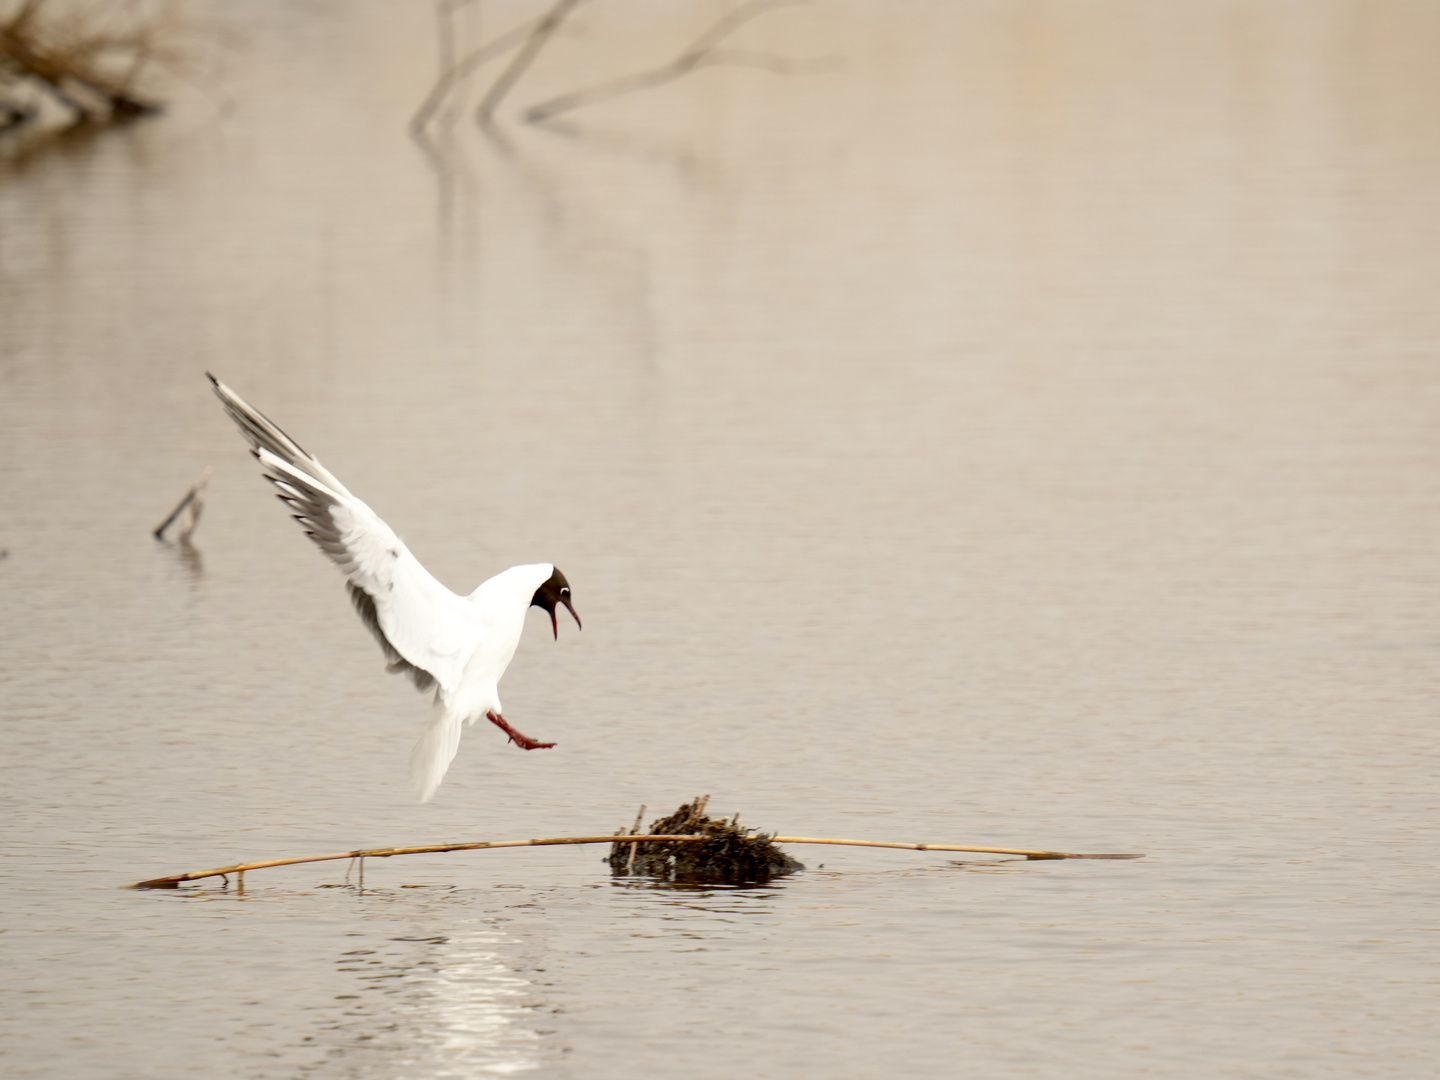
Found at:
[702, 891]
[1058, 384]
[440, 1006]
[186, 556]
[1001, 866]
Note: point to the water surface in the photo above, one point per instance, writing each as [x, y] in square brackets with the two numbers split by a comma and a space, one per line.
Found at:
[1023, 432]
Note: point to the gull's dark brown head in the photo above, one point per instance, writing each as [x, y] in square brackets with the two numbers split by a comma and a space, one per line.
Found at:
[554, 591]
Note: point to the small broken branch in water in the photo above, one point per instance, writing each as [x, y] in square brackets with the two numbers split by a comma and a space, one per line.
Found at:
[704, 51]
[174, 880]
[188, 510]
[87, 64]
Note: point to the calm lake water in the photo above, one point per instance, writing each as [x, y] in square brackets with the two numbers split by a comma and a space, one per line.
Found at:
[1020, 427]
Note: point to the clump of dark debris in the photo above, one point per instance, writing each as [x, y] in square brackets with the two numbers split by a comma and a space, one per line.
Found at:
[729, 855]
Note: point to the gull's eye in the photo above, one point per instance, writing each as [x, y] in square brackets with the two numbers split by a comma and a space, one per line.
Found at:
[565, 589]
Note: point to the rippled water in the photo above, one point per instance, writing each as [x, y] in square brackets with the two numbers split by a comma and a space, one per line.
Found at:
[1022, 430]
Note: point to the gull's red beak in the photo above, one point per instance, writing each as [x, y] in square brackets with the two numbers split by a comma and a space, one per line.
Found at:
[555, 591]
[578, 625]
[555, 625]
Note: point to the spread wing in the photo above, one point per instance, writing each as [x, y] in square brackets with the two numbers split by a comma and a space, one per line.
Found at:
[425, 629]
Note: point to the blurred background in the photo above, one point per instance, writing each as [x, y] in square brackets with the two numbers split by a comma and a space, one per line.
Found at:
[1004, 422]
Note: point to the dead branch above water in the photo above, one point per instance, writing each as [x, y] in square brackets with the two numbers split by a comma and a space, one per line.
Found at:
[704, 51]
[530, 39]
[453, 73]
[540, 33]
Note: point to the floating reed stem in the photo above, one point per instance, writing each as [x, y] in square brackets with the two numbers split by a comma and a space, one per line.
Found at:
[174, 880]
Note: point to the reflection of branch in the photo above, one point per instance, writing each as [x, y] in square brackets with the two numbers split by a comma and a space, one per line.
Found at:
[452, 74]
[703, 52]
[539, 35]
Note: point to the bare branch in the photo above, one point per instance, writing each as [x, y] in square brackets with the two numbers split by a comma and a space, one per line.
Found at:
[704, 51]
[453, 74]
[734, 20]
[539, 35]
[775, 65]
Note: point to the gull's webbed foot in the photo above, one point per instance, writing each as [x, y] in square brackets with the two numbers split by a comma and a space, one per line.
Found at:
[519, 739]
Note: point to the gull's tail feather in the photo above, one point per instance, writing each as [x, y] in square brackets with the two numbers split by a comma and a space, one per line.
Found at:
[434, 752]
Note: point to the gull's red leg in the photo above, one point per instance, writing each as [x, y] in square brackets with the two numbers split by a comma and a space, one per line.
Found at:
[522, 741]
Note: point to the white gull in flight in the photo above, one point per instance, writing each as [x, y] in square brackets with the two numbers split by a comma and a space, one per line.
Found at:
[458, 645]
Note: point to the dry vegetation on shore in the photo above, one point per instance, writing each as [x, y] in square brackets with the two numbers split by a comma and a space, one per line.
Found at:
[65, 63]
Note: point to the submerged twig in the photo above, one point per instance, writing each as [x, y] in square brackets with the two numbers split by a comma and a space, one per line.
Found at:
[704, 51]
[173, 881]
[188, 510]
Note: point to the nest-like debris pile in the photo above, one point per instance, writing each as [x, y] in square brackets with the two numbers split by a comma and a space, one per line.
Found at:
[729, 855]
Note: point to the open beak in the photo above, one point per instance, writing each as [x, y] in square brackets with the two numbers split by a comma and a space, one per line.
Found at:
[554, 623]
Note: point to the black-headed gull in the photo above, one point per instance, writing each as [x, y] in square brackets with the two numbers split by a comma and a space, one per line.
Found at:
[458, 645]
